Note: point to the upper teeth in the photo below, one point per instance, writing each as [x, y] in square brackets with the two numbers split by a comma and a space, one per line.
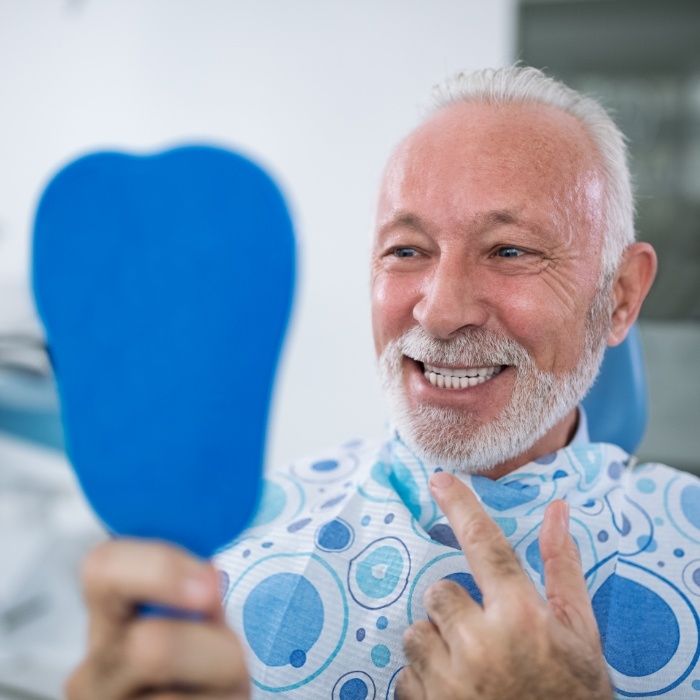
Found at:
[448, 378]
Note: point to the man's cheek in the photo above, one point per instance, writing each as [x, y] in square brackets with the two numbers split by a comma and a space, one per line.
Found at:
[391, 314]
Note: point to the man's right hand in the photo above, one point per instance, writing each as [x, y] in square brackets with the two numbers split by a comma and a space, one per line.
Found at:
[131, 655]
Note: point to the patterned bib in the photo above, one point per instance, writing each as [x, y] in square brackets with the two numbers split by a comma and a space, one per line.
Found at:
[332, 571]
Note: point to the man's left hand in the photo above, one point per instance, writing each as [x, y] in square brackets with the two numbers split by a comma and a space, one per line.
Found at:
[517, 646]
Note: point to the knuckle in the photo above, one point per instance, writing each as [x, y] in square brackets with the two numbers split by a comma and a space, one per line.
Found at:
[532, 615]
[148, 651]
[572, 553]
[528, 618]
[443, 596]
[503, 559]
[407, 685]
[416, 637]
[479, 530]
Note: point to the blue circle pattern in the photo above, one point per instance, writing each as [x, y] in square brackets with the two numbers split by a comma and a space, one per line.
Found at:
[381, 655]
[378, 575]
[354, 689]
[644, 632]
[615, 470]
[277, 604]
[504, 496]
[335, 536]
[297, 658]
[534, 558]
[356, 685]
[508, 525]
[444, 534]
[325, 465]
[690, 504]
[646, 486]
[616, 605]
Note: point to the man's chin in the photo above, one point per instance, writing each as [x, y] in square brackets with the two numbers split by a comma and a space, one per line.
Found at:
[444, 438]
[477, 440]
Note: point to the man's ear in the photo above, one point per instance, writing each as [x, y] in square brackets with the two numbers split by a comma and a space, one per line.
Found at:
[632, 283]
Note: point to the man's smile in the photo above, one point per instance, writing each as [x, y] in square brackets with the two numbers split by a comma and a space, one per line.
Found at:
[459, 378]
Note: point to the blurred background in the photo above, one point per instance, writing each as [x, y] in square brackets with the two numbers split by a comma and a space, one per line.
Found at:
[318, 93]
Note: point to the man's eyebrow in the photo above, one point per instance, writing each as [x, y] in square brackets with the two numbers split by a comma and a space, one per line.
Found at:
[497, 217]
[501, 216]
[403, 219]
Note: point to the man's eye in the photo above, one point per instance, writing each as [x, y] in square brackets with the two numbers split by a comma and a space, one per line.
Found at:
[509, 252]
[405, 252]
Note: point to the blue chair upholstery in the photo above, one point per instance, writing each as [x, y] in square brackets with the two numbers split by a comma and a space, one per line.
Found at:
[617, 405]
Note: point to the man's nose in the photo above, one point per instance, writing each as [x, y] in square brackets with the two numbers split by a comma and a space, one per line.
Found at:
[451, 300]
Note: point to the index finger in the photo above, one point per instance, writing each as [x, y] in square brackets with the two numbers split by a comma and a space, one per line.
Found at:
[121, 574]
[492, 560]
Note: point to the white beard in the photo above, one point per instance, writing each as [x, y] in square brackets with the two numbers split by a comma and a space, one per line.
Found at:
[455, 440]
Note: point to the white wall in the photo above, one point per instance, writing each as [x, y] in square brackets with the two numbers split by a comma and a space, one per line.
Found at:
[316, 90]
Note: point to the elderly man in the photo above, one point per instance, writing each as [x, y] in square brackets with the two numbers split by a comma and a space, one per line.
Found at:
[504, 262]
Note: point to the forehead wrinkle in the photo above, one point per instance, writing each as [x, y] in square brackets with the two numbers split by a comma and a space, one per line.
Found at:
[480, 222]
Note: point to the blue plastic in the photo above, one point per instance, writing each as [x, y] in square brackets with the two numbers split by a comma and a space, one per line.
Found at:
[165, 285]
[617, 405]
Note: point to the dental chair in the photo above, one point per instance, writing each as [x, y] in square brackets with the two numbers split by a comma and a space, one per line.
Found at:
[617, 404]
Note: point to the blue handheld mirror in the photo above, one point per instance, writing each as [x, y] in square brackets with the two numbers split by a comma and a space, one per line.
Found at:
[165, 283]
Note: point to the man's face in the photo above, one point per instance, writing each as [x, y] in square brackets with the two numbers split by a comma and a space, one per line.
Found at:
[486, 308]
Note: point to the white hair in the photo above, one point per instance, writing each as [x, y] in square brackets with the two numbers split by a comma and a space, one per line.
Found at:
[526, 84]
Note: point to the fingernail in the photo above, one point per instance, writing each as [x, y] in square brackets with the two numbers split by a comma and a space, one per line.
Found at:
[564, 512]
[441, 480]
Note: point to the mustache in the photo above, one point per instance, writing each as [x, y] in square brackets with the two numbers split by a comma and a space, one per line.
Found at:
[474, 347]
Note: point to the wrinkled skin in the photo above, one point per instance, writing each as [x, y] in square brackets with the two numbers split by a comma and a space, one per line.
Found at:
[493, 219]
[518, 646]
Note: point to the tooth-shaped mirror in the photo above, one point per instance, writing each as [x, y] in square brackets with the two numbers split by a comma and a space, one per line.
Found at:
[165, 284]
